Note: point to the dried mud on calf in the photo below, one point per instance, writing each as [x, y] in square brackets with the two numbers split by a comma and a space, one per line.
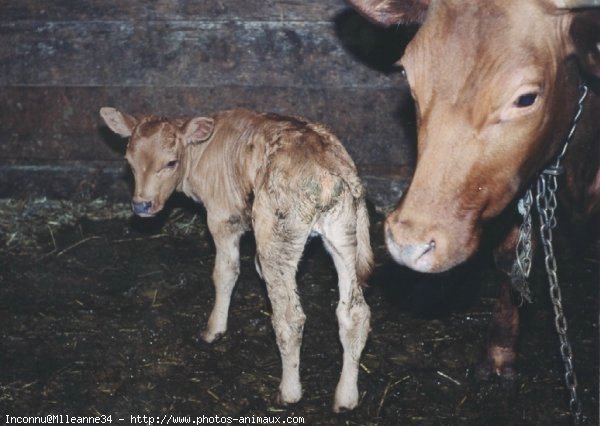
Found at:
[289, 179]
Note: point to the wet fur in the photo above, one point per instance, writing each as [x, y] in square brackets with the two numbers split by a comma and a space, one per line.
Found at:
[287, 179]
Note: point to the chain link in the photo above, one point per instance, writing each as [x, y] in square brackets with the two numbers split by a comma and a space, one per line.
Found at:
[522, 266]
[546, 203]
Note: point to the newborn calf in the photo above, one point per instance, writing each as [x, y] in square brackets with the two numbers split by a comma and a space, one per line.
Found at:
[287, 178]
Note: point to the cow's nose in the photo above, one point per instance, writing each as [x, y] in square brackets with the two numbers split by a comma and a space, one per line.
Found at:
[417, 256]
[142, 207]
[417, 247]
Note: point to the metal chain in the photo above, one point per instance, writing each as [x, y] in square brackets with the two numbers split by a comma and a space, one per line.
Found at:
[523, 262]
[556, 169]
[546, 203]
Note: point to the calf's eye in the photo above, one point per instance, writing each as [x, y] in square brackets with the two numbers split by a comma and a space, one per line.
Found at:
[171, 164]
[402, 71]
[526, 100]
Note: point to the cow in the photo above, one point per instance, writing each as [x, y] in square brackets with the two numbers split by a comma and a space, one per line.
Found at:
[496, 86]
[285, 178]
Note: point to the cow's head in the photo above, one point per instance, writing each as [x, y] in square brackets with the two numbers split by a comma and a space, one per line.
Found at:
[156, 153]
[495, 91]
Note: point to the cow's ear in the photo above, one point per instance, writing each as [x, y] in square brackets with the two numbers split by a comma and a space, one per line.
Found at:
[585, 34]
[575, 4]
[198, 129]
[119, 122]
[392, 12]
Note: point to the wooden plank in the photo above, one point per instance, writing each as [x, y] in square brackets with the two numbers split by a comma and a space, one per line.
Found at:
[61, 61]
[88, 180]
[64, 180]
[195, 54]
[107, 10]
[39, 123]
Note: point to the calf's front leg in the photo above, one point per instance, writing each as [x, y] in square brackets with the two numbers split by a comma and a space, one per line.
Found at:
[226, 237]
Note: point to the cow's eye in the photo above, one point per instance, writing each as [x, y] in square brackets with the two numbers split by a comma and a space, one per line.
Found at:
[526, 100]
[171, 164]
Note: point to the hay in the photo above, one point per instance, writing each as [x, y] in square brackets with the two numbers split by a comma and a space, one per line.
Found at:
[102, 312]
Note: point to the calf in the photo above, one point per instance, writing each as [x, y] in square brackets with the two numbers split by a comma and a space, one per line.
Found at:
[286, 177]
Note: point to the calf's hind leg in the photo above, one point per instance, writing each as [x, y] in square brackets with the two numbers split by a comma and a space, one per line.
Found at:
[339, 238]
[279, 248]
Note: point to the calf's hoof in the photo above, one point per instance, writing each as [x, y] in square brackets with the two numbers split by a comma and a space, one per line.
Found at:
[210, 336]
[343, 408]
[346, 399]
[289, 395]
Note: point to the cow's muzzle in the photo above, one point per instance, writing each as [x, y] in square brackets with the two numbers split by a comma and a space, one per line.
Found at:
[426, 247]
[142, 208]
[417, 256]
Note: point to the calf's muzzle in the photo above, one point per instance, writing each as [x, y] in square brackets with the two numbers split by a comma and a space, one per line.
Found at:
[141, 208]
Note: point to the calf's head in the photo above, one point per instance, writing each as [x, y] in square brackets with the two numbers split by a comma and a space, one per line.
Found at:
[156, 153]
[495, 91]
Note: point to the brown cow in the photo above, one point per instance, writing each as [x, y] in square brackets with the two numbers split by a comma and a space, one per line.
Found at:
[287, 178]
[495, 85]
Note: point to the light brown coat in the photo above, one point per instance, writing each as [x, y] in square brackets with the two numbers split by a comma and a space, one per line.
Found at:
[287, 179]
[495, 85]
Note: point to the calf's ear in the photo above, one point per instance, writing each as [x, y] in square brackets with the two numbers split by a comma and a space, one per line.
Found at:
[198, 129]
[392, 12]
[585, 35]
[119, 122]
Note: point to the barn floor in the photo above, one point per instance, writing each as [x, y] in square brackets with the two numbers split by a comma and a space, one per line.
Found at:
[101, 313]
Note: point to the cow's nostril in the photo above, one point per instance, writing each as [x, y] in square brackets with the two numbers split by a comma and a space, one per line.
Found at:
[426, 248]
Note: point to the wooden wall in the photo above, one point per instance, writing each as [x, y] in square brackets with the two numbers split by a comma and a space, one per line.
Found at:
[61, 61]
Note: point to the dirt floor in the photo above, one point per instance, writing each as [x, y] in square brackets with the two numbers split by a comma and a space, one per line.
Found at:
[101, 313]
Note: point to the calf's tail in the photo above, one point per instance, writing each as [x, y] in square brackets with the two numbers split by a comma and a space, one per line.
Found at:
[364, 253]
